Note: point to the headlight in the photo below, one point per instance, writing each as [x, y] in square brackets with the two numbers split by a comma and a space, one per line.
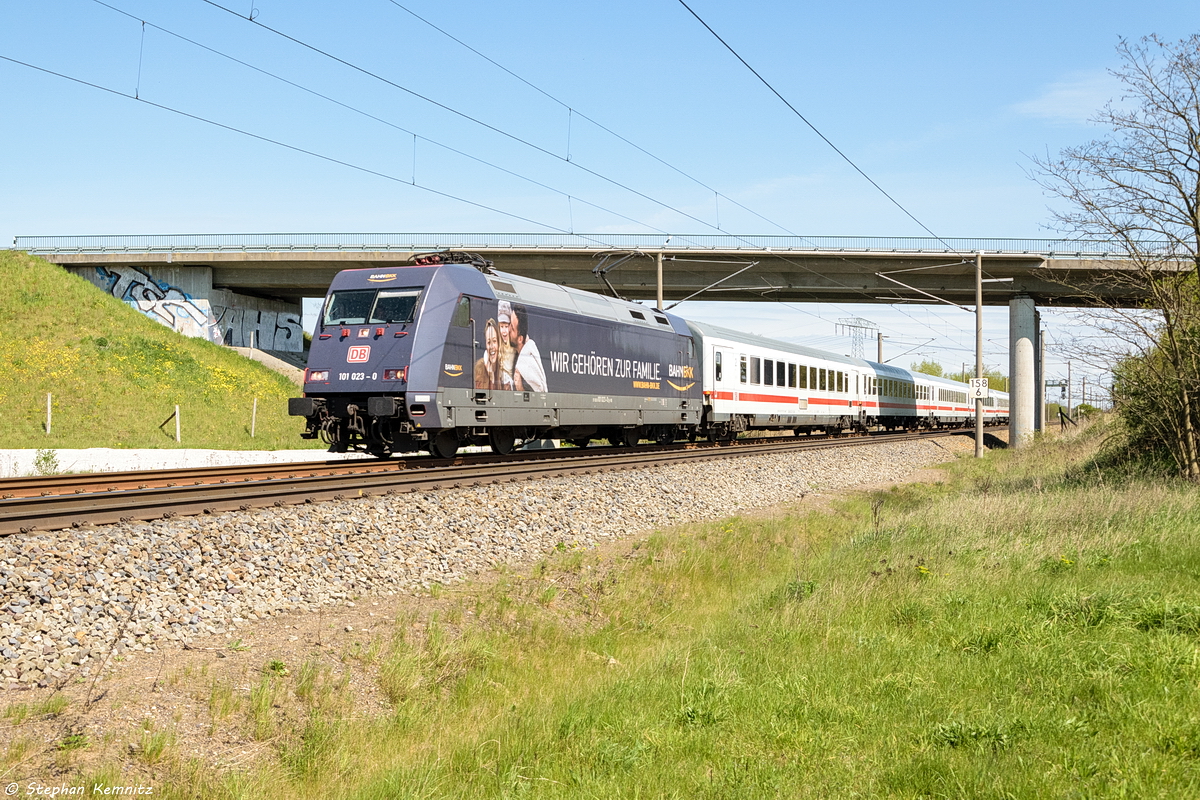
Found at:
[400, 374]
[317, 376]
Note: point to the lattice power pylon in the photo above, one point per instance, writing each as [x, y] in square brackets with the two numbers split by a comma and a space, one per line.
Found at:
[856, 328]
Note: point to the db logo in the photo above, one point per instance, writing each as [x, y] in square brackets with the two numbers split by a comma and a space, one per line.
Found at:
[358, 354]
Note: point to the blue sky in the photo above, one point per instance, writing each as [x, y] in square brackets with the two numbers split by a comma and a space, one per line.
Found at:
[940, 103]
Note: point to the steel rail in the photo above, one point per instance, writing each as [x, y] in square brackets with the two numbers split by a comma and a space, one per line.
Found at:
[83, 482]
[58, 511]
[79, 483]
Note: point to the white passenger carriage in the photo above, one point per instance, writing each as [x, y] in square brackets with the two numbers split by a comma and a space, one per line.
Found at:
[751, 382]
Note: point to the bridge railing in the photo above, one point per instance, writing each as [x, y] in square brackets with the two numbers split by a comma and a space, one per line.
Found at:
[382, 242]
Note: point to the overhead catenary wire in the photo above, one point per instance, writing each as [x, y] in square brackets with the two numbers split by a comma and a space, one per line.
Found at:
[513, 137]
[572, 111]
[413, 182]
[816, 130]
[367, 114]
[294, 148]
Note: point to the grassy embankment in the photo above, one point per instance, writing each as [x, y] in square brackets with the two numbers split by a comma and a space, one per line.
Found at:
[1026, 629]
[115, 375]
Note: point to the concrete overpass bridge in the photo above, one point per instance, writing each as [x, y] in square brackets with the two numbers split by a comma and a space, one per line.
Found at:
[246, 289]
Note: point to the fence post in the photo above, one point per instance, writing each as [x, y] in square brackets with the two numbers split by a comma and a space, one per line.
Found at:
[253, 417]
[47, 413]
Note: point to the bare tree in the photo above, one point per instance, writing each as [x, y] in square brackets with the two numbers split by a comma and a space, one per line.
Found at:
[1138, 188]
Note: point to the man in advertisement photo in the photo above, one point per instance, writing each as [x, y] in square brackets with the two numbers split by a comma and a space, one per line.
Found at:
[528, 372]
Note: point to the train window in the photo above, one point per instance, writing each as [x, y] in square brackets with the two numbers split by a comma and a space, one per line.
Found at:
[743, 369]
[691, 348]
[769, 372]
[462, 313]
[791, 376]
[803, 377]
[780, 373]
[841, 382]
[812, 377]
[399, 305]
[821, 375]
[755, 369]
[349, 308]
[717, 365]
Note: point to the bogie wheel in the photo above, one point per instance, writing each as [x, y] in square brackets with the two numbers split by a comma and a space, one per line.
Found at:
[444, 443]
[580, 443]
[502, 441]
[627, 437]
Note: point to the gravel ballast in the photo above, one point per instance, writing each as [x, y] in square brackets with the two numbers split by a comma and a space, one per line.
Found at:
[70, 598]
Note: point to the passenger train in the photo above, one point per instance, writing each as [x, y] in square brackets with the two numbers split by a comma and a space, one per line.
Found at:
[449, 352]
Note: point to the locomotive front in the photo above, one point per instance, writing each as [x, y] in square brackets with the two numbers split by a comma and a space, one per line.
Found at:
[372, 376]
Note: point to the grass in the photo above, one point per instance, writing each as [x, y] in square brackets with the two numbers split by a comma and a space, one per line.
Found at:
[114, 375]
[1027, 628]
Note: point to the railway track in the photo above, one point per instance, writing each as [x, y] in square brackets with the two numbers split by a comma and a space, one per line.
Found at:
[73, 501]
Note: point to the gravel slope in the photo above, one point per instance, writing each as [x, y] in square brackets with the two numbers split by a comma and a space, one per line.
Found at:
[68, 598]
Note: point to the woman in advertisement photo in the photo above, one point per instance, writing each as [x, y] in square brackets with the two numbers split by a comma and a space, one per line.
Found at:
[488, 373]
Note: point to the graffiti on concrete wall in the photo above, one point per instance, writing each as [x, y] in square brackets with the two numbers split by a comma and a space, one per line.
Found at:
[160, 301]
[266, 330]
[236, 325]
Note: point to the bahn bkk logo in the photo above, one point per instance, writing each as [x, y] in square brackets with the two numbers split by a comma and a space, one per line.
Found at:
[358, 354]
[382, 277]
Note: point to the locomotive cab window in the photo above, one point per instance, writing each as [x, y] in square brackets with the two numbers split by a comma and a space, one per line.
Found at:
[362, 306]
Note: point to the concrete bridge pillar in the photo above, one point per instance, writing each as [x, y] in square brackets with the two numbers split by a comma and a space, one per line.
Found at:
[1022, 369]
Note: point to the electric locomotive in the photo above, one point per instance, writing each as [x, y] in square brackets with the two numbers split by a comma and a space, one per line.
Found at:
[448, 352]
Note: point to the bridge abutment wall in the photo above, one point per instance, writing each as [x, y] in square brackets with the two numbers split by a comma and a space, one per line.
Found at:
[183, 298]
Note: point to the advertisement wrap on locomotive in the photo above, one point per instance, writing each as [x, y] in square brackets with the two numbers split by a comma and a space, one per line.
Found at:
[448, 352]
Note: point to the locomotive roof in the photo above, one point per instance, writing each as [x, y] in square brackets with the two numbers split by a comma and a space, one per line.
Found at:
[508, 286]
